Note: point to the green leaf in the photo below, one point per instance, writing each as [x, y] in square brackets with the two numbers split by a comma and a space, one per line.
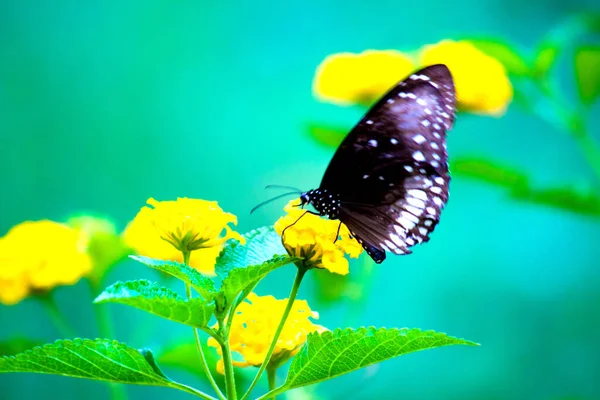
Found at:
[160, 301]
[100, 359]
[330, 354]
[243, 280]
[203, 285]
[507, 55]
[261, 245]
[327, 135]
[489, 171]
[587, 72]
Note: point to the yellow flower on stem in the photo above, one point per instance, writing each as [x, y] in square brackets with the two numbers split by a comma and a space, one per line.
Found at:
[348, 78]
[38, 256]
[253, 327]
[168, 229]
[482, 84]
[312, 239]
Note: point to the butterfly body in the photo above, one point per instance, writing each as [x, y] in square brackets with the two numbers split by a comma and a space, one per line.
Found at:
[388, 180]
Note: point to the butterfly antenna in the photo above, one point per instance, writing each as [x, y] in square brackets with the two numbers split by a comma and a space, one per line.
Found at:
[282, 187]
[273, 199]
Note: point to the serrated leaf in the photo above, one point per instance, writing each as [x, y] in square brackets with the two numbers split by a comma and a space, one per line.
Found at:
[507, 55]
[327, 135]
[100, 359]
[587, 72]
[160, 301]
[330, 354]
[203, 285]
[261, 245]
[243, 280]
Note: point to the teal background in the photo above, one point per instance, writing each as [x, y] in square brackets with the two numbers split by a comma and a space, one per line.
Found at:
[104, 104]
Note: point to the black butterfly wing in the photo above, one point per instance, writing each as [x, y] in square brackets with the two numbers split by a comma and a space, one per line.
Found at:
[391, 171]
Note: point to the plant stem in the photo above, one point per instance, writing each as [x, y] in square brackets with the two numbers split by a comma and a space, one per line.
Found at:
[272, 376]
[105, 328]
[56, 316]
[286, 312]
[227, 362]
[204, 363]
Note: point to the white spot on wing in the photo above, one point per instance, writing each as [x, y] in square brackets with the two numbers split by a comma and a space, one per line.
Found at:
[418, 156]
[419, 139]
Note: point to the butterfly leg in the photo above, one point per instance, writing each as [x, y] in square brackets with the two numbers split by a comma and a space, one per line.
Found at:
[300, 217]
[337, 235]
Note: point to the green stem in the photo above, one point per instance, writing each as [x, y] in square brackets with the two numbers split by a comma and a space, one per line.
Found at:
[56, 316]
[272, 377]
[105, 328]
[590, 149]
[227, 361]
[191, 390]
[204, 363]
[286, 312]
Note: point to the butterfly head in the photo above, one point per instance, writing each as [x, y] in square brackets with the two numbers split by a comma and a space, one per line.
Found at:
[325, 202]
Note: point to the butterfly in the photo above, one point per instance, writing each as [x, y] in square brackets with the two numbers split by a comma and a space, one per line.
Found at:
[388, 180]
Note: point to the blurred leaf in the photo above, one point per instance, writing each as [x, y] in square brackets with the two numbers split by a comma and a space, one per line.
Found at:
[329, 287]
[587, 71]
[508, 56]
[243, 280]
[100, 359]
[261, 245]
[544, 59]
[490, 172]
[565, 198]
[185, 356]
[106, 247]
[17, 345]
[328, 135]
[203, 285]
[330, 354]
[160, 301]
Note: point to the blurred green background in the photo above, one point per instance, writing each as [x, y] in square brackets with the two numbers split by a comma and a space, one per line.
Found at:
[104, 104]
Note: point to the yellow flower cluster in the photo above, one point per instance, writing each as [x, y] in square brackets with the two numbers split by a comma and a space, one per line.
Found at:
[312, 238]
[254, 325]
[348, 78]
[482, 84]
[167, 229]
[39, 255]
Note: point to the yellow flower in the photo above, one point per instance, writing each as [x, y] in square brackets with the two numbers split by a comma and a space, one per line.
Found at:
[348, 78]
[38, 256]
[254, 325]
[482, 84]
[166, 229]
[312, 238]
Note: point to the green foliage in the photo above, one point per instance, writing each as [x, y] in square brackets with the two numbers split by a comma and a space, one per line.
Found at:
[490, 172]
[587, 72]
[244, 280]
[513, 61]
[261, 245]
[100, 359]
[330, 354]
[203, 285]
[328, 136]
[160, 301]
